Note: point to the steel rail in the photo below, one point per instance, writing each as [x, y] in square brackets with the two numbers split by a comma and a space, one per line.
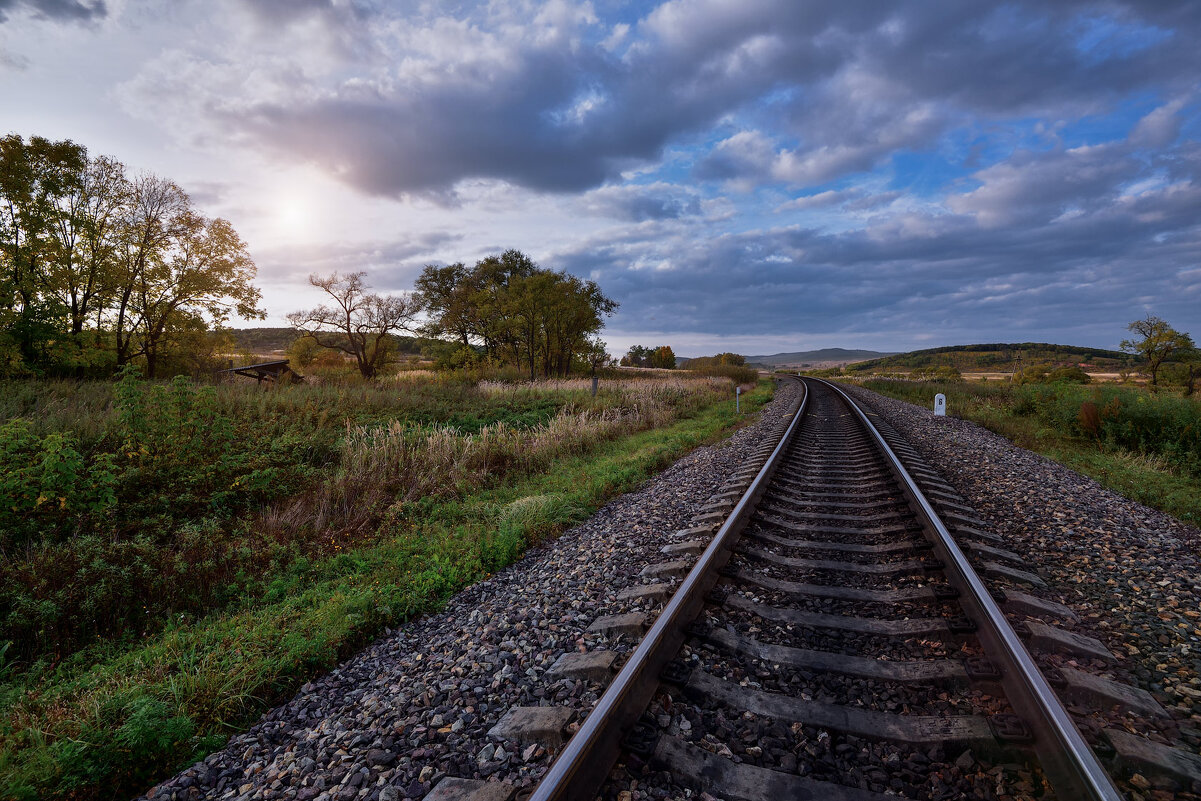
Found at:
[1070, 765]
[583, 765]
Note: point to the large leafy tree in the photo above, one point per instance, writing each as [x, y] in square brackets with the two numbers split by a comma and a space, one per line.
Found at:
[664, 357]
[359, 323]
[641, 356]
[88, 230]
[446, 295]
[153, 220]
[37, 179]
[205, 274]
[1155, 342]
[516, 311]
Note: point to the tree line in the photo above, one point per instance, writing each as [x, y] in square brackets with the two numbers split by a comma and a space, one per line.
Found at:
[504, 310]
[100, 268]
[662, 357]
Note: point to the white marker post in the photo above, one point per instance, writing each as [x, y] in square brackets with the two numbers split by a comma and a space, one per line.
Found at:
[940, 405]
[737, 400]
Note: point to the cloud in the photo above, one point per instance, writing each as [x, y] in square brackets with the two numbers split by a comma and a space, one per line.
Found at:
[68, 10]
[392, 264]
[557, 98]
[746, 157]
[852, 200]
[637, 203]
[1159, 128]
[285, 11]
[1040, 187]
[820, 200]
[770, 168]
[1000, 262]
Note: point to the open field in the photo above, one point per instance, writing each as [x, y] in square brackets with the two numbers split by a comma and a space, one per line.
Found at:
[1145, 446]
[1097, 376]
[244, 540]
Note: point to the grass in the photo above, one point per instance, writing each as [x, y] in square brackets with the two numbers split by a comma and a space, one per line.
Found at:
[126, 505]
[1143, 446]
[111, 719]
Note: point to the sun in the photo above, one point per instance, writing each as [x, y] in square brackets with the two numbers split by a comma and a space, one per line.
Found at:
[292, 214]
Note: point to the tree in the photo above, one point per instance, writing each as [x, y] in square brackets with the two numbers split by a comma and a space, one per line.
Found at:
[205, 275]
[36, 179]
[637, 356]
[99, 270]
[1185, 369]
[360, 322]
[721, 359]
[152, 221]
[596, 355]
[664, 358]
[85, 230]
[1157, 341]
[518, 312]
[446, 295]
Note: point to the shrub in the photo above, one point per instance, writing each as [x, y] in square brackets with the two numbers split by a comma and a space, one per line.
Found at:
[1131, 419]
[1031, 374]
[1069, 375]
[47, 488]
[736, 373]
[941, 372]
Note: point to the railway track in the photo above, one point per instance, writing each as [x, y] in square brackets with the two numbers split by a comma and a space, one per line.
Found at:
[831, 621]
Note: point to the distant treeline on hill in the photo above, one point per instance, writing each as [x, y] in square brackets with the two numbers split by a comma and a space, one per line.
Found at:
[995, 356]
[275, 341]
[808, 357]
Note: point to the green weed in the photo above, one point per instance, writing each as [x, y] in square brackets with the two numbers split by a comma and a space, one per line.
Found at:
[1143, 445]
[116, 715]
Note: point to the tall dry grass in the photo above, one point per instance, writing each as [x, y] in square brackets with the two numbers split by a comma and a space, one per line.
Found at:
[660, 385]
[400, 461]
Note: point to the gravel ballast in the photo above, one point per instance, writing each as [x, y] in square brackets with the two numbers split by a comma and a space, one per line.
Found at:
[417, 705]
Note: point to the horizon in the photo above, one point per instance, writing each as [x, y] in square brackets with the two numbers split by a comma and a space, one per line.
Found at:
[750, 354]
[740, 177]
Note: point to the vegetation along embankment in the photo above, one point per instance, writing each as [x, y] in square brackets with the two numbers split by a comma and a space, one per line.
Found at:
[177, 557]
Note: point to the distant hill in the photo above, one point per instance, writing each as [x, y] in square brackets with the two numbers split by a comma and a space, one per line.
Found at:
[274, 341]
[264, 340]
[996, 357]
[826, 357]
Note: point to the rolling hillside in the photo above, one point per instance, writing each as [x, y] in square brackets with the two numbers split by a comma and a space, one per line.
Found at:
[997, 357]
[826, 357]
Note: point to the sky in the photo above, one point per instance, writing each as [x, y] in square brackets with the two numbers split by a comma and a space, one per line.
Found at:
[753, 176]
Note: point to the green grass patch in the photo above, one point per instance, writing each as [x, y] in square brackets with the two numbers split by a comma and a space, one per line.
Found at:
[126, 504]
[1144, 446]
[113, 718]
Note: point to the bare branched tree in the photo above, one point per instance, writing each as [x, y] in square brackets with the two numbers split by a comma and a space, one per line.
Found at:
[359, 323]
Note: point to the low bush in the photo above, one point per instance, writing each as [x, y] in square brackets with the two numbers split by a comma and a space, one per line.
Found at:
[940, 372]
[736, 373]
